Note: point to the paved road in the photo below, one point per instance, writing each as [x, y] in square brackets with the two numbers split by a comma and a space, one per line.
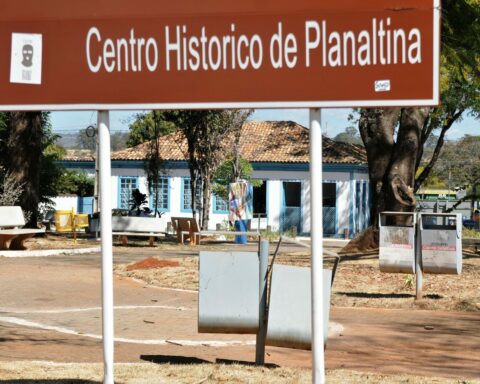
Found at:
[50, 310]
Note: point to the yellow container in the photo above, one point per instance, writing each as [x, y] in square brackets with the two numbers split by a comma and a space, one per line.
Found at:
[68, 221]
[81, 220]
[64, 221]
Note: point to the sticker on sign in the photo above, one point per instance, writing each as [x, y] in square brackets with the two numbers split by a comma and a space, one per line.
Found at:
[382, 86]
[26, 58]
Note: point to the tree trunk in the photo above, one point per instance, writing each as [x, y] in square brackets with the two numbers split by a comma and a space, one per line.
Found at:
[206, 203]
[193, 188]
[473, 201]
[377, 128]
[401, 175]
[24, 157]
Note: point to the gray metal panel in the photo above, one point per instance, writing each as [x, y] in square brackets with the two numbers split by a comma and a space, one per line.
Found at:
[441, 243]
[228, 292]
[397, 249]
[289, 316]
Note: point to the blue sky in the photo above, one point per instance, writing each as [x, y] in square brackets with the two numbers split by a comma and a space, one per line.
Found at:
[334, 120]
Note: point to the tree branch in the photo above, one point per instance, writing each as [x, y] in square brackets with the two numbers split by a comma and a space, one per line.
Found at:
[463, 199]
[441, 139]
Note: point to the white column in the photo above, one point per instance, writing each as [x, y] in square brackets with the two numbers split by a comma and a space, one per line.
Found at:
[106, 244]
[316, 200]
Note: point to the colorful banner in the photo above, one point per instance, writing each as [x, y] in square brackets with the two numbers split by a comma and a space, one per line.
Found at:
[240, 201]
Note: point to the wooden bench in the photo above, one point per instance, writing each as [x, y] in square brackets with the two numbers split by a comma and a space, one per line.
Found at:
[12, 235]
[151, 227]
[187, 228]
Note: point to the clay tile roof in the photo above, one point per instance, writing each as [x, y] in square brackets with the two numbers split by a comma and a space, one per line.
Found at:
[172, 147]
[261, 141]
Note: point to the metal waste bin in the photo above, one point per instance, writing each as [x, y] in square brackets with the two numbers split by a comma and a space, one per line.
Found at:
[441, 242]
[228, 292]
[397, 242]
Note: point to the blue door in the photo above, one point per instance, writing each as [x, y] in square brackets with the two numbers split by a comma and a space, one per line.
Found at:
[292, 206]
[329, 209]
[85, 204]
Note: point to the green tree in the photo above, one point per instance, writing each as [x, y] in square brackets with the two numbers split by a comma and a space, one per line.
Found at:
[394, 138]
[208, 133]
[225, 175]
[28, 153]
[75, 182]
[148, 126]
[118, 140]
[153, 163]
[460, 167]
[350, 136]
[86, 140]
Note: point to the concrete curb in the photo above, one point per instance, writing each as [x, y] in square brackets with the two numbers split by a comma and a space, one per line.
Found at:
[48, 252]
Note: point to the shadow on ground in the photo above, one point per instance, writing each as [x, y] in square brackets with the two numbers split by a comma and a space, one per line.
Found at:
[369, 295]
[177, 360]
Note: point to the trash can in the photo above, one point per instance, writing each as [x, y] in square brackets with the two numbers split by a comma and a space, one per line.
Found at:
[441, 242]
[397, 242]
[64, 221]
[241, 226]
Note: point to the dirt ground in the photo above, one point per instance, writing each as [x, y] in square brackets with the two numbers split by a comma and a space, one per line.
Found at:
[358, 283]
[60, 241]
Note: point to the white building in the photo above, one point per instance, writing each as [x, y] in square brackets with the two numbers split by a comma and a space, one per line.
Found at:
[279, 153]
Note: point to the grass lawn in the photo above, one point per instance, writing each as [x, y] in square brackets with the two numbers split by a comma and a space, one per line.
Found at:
[148, 373]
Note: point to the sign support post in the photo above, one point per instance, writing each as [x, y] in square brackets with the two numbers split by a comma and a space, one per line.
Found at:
[106, 245]
[418, 261]
[316, 204]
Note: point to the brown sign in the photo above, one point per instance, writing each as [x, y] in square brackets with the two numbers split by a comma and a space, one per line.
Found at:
[123, 54]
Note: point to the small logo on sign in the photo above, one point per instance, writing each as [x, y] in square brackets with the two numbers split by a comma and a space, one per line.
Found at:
[382, 86]
[26, 60]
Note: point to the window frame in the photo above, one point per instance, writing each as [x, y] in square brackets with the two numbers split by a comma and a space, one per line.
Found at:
[151, 196]
[120, 179]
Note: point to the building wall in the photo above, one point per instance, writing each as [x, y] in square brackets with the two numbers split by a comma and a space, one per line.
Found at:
[345, 177]
[66, 203]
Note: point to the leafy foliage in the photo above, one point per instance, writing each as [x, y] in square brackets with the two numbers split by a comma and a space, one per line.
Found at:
[138, 200]
[10, 190]
[74, 182]
[148, 126]
[350, 136]
[225, 175]
[461, 163]
[153, 163]
[50, 172]
[207, 133]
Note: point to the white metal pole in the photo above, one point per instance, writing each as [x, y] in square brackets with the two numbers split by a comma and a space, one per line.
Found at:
[106, 244]
[316, 230]
[96, 205]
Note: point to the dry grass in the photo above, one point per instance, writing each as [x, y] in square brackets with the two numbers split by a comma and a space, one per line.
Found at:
[361, 284]
[358, 283]
[64, 241]
[184, 276]
[148, 373]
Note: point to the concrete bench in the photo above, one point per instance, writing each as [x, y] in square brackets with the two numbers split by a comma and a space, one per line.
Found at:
[12, 235]
[151, 227]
